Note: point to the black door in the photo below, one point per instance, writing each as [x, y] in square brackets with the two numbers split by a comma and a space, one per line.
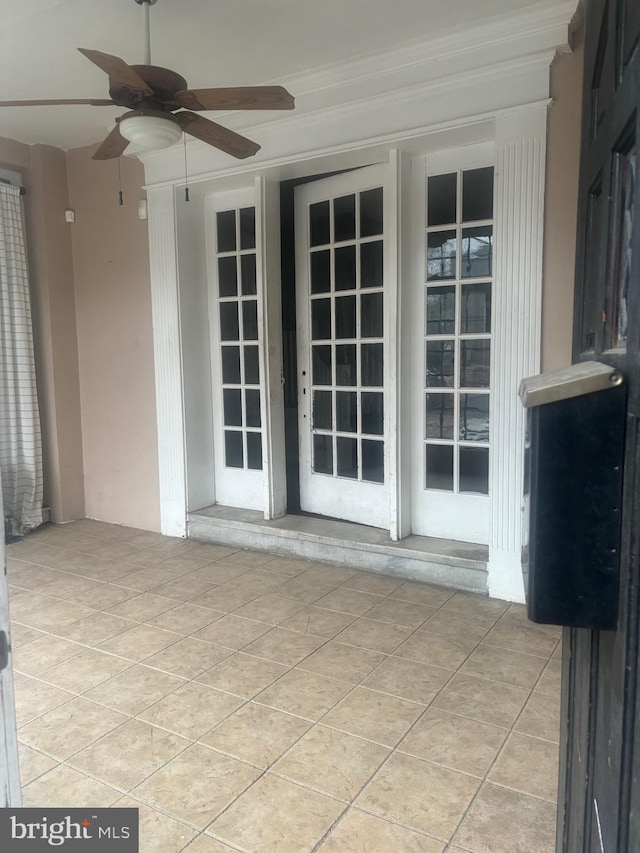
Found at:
[600, 765]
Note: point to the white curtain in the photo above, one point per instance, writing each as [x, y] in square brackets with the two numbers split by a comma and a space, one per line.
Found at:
[20, 440]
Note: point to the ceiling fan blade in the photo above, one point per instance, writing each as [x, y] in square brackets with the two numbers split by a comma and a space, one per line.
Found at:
[214, 134]
[113, 146]
[236, 98]
[118, 69]
[93, 101]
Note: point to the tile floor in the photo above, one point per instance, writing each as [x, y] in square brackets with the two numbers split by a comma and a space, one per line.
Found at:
[249, 702]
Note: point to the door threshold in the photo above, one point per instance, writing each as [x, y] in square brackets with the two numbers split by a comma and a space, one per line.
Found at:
[461, 565]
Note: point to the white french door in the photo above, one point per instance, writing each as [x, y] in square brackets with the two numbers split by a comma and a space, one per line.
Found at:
[343, 293]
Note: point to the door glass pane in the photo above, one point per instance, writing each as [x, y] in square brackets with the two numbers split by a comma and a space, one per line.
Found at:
[321, 319]
[323, 454]
[346, 411]
[321, 365]
[232, 398]
[439, 416]
[229, 328]
[441, 255]
[439, 467]
[226, 230]
[474, 470]
[344, 218]
[322, 410]
[372, 365]
[371, 260]
[345, 273]
[346, 317]
[441, 199]
[372, 413]
[251, 366]
[347, 452]
[371, 315]
[477, 194]
[227, 276]
[321, 271]
[477, 251]
[231, 365]
[475, 309]
[441, 310]
[250, 320]
[252, 406]
[371, 212]
[248, 228]
[440, 361]
[346, 366]
[475, 357]
[319, 223]
[233, 451]
[248, 270]
[617, 318]
[474, 417]
[254, 450]
[373, 461]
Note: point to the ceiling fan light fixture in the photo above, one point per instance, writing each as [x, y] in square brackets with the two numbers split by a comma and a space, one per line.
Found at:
[150, 133]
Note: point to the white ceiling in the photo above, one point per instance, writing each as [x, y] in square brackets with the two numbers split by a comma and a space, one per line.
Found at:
[210, 42]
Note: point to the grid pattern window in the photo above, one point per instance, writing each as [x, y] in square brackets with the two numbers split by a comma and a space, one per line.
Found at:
[457, 330]
[238, 318]
[347, 347]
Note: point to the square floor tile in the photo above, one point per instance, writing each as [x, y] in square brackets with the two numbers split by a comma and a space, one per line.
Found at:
[134, 689]
[22, 635]
[501, 665]
[432, 648]
[70, 728]
[318, 622]
[459, 626]
[284, 646]
[485, 701]
[454, 742]
[232, 632]
[106, 595]
[273, 609]
[191, 710]
[34, 698]
[256, 734]
[332, 762]
[52, 617]
[503, 821]
[528, 765]
[419, 795]
[422, 593]
[125, 757]
[142, 607]
[182, 589]
[25, 605]
[375, 716]
[550, 680]
[325, 573]
[206, 844]
[407, 679]
[515, 634]
[401, 613]
[226, 598]
[242, 675]
[345, 663]
[139, 642]
[158, 833]
[146, 579]
[93, 630]
[188, 657]
[474, 604]
[84, 671]
[377, 636]
[197, 785]
[304, 694]
[374, 583]
[219, 573]
[64, 787]
[275, 814]
[348, 601]
[301, 588]
[286, 566]
[358, 832]
[248, 559]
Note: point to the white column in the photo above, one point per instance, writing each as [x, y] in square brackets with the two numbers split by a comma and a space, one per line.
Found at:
[519, 207]
[168, 360]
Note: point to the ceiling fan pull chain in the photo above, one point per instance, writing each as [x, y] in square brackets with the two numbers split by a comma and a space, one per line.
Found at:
[120, 196]
[186, 180]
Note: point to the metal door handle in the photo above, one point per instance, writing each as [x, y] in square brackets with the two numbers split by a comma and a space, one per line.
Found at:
[5, 648]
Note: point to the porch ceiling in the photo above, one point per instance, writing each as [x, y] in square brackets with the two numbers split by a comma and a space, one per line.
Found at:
[210, 43]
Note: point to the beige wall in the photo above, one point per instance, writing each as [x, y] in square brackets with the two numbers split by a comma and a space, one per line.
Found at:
[115, 342]
[43, 171]
[561, 202]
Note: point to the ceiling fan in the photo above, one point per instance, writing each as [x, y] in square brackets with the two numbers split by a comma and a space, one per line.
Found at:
[163, 96]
